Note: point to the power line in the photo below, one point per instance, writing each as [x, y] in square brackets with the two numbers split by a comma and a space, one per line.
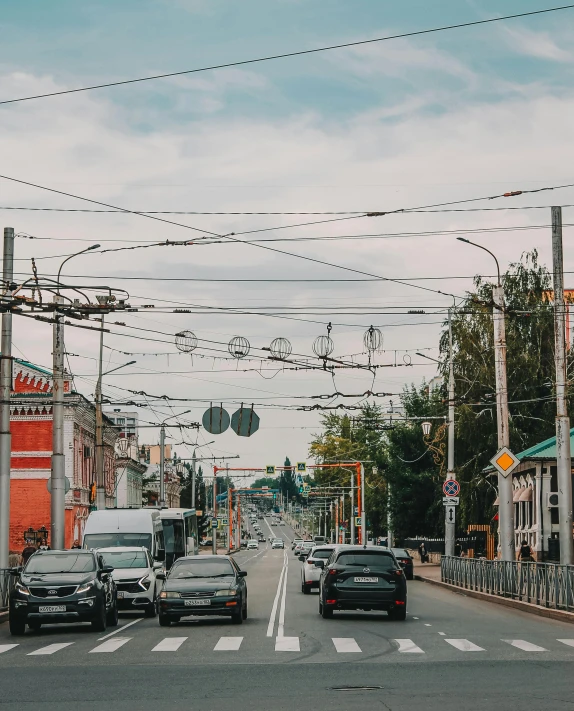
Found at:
[288, 54]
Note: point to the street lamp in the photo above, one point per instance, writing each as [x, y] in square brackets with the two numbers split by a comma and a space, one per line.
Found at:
[77, 254]
[426, 428]
[505, 506]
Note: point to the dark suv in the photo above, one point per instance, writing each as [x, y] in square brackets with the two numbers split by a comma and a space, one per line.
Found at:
[63, 586]
[362, 578]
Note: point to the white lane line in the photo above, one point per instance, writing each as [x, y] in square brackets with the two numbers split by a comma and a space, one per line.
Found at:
[6, 647]
[110, 646]
[169, 644]
[427, 624]
[416, 618]
[524, 645]
[281, 625]
[228, 644]
[287, 644]
[407, 646]
[120, 629]
[50, 649]
[464, 645]
[271, 625]
[567, 642]
[442, 634]
[345, 644]
[254, 556]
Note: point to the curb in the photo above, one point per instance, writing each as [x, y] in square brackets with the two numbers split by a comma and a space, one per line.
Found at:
[547, 612]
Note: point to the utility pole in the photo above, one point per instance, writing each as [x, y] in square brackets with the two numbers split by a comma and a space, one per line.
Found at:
[214, 530]
[100, 475]
[5, 391]
[505, 502]
[363, 512]
[390, 537]
[162, 466]
[450, 526]
[352, 509]
[193, 462]
[563, 456]
[57, 480]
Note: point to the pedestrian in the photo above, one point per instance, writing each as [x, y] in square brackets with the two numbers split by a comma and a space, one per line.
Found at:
[28, 551]
[43, 545]
[457, 549]
[423, 552]
[76, 544]
[525, 552]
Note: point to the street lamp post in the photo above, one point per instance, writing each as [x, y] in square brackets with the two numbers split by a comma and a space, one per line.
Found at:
[505, 505]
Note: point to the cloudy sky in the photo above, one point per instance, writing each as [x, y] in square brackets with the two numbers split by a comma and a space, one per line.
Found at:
[413, 122]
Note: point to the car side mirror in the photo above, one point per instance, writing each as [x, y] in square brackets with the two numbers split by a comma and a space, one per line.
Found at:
[319, 564]
[160, 576]
[108, 569]
[242, 573]
[158, 565]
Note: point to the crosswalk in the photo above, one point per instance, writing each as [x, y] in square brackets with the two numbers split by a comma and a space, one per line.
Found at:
[337, 645]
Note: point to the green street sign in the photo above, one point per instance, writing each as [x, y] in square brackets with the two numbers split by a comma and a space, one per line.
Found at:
[270, 469]
[301, 467]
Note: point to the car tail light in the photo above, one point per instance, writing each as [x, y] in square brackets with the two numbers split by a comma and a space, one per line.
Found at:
[310, 562]
[399, 602]
[332, 571]
[331, 602]
[398, 572]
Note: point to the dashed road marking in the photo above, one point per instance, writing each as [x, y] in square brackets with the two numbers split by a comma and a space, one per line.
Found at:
[169, 644]
[345, 644]
[6, 647]
[120, 629]
[287, 644]
[524, 645]
[567, 642]
[228, 644]
[464, 645]
[407, 646]
[50, 649]
[427, 624]
[110, 645]
[442, 634]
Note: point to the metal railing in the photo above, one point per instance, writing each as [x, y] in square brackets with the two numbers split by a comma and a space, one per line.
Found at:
[6, 583]
[544, 584]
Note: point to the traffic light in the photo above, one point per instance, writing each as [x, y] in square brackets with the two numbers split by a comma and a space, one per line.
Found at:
[93, 492]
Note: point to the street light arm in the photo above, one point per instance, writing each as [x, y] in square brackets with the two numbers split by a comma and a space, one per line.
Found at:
[113, 370]
[77, 254]
[422, 355]
[474, 244]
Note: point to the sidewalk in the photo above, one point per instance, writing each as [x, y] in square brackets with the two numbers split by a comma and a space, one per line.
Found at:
[427, 571]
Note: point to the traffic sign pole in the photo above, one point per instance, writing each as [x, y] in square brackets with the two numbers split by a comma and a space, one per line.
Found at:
[450, 520]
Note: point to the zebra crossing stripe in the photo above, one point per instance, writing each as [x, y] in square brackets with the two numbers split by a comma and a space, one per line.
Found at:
[287, 644]
[345, 644]
[6, 647]
[464, 645]
[169, 644]
[50, 649]
[228, 644]
[567, 642]
[524, 645]
[110, 645]
[407, 646]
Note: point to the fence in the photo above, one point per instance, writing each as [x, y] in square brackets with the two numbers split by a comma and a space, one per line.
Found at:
[6, 582]
[544, 584]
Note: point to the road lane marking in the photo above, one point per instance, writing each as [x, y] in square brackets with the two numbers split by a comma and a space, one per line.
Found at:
[110, 646]
[567, 642]
[345, 644]
[169, 644]
[416, 618]
[524, 645]
[427, 624]
[50, 649]
[281, 625]
[271, 625]
[6, 647]
[407, 646]
[228, 644]
[464, 645]
[287, 644]
[442, 634]
[119, 629]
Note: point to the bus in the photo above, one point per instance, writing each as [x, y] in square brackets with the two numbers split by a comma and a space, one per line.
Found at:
[179, 533]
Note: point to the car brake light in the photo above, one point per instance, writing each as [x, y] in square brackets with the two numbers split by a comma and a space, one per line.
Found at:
[331, 602]
[399, 602]
[332, 571]
[310, 562]
[398, 572]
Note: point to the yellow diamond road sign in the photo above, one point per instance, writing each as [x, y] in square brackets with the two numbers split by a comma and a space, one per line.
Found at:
[504, 461]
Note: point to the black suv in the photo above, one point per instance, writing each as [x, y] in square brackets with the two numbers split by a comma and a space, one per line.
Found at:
[362, 578]
[63, 586]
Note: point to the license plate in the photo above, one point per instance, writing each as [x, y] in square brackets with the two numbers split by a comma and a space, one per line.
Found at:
[196, 603]
[120, 595]
[52, 608]
[366, 580]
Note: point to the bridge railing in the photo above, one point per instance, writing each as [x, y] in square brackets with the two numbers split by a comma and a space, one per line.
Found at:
[544, 584]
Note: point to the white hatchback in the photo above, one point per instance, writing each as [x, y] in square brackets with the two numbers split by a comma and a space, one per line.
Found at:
[251, 544]
[310, 573]
[135, 577]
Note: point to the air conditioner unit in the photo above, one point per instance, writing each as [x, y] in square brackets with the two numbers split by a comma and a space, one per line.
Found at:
[552, 500]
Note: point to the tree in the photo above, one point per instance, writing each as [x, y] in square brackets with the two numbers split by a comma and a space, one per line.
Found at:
[268, 481]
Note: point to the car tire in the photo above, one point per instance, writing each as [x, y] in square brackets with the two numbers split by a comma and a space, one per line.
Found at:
[164, 621]
[398, 614]
[305, 589]
[244, 610]
[112, 617]
[99, 622]
[17, 627]
[151, 609]
[237, 617]
[326, 612]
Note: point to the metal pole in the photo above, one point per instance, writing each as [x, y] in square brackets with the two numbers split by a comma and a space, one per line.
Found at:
[506, 505]
[5, 390]
[162, 466]
[390, 537]
[363, 512]
[352, 510]
[450, 526]
[563, 456]
[193, 480]
[214, 530]
[100, 476]
[58, 473]
[343, 518]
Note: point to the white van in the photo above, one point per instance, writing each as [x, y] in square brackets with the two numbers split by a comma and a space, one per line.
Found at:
[125, 527]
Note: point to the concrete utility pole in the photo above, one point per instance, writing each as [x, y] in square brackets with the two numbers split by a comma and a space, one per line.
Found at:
[450, 526]
[563, 455]
[390, 536]
[100, 475]
[162, 466]
[193, 474]
[5, 391]
[352, 541]
[363, 511]
[58, 474]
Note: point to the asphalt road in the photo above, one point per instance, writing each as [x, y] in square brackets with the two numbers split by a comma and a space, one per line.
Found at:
[452, 652]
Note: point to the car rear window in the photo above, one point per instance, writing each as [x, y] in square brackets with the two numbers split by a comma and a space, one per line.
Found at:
[367, 558]
[401, 553]
[322, 554]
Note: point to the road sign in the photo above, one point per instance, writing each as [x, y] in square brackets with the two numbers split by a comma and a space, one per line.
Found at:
[215, 420]
[450, 501]
[214, 523]
[299, 480]
[504, 461]
[225, 522]
[244, 422]
[450, 514]
[270, 470]
[451, 487]
[302, 467]
[358, 520]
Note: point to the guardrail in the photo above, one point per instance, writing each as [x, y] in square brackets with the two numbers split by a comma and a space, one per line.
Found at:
[544, 584]
[6, 583]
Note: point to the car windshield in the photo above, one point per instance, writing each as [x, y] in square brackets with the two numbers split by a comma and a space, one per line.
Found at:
[207, 568]
[61, 563]
[322, 554]
[126, 559]
[367, 558]
[117, 540]
[401, 553]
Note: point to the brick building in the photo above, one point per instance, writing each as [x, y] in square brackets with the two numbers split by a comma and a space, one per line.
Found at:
[31, 426]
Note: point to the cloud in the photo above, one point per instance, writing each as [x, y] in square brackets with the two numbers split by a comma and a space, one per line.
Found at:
[538, 44]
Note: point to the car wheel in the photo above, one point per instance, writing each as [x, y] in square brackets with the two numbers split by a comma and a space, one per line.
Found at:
[112, 618]
[306, 589]
[326, 612]
[99, 622]
[164, 620]
[398, 614]
[244, 611]
[151, 609]
[17, 627]
[237, 617]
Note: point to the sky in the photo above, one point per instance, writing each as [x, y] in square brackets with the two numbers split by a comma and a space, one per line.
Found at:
[447, 116]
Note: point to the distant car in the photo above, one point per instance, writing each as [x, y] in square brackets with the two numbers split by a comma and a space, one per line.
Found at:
[278, 543]
[406, 561]
[135, 577]
[362, 578]
[206, 542]
[305, 548]
[203, 585]
[273, 522]
[310, 573]
[281, 523]
[295, 541]
[252, 543]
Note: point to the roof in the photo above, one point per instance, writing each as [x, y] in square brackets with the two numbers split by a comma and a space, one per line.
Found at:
[543, 451]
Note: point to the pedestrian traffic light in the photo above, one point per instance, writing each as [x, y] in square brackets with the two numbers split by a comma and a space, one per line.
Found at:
[93, 492]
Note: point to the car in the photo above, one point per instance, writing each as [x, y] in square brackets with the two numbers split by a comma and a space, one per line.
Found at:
[63, 586]
[362, 578]
[295, 541]
[277, 543]
[273, 522]
[135, 577]
[252, 543]
[206, 542]
[406, 561]
[310, 573]
[281, 523]
[203, 585]
[305, 548]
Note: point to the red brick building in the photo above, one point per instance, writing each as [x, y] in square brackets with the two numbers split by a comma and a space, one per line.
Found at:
[31, 426]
